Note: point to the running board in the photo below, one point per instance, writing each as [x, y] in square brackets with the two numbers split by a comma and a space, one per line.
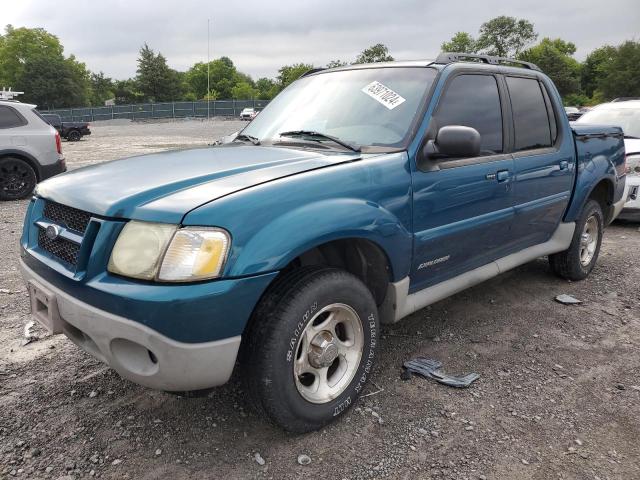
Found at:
[399, 303]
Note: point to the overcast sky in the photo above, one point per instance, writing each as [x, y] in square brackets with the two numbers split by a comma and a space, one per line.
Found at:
[260, 36]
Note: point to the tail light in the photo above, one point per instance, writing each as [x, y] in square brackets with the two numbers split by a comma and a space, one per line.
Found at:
[58, 143]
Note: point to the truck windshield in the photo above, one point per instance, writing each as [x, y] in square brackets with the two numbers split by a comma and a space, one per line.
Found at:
[371, 108]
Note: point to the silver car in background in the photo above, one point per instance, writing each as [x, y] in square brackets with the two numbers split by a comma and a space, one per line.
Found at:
[625, 114]
[30, 150]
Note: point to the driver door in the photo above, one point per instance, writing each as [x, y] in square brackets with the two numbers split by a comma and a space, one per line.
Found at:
[463, 207]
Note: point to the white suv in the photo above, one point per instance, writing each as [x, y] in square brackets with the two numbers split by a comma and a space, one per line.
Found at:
[625, 114]
[30, 150]
[248, 114]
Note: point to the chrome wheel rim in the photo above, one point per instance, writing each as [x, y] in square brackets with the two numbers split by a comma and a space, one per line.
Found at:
[328, 353]
[589, 240]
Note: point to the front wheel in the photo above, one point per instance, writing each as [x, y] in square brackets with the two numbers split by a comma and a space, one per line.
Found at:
[578, 260]
[311, 347]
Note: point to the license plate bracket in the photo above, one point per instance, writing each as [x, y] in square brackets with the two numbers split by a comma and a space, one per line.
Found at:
[44, 307]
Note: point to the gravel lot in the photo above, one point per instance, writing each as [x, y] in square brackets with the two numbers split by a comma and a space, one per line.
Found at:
[558, 396]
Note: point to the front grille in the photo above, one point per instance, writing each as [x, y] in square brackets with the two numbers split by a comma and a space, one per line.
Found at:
[60, 247]
[69, 217]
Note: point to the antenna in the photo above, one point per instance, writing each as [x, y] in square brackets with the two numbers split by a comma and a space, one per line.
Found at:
[8, 94]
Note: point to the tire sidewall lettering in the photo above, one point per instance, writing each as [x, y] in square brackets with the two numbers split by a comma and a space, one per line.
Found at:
[302, 323]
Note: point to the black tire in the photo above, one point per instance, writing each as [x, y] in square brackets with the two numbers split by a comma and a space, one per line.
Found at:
[569, 264]
[17, 178]
[274, 337]
[74, 136]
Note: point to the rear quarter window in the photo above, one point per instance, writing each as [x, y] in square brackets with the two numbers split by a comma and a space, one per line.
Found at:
[10, 118]
[530, 116]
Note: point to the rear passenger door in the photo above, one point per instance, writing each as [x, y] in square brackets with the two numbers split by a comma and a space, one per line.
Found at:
[544, 167]
[462, 207]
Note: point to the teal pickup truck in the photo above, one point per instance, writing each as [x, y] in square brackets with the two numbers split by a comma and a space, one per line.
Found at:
[359, 195]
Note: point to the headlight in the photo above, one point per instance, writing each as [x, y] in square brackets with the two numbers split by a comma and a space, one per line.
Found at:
[156, 251]
[195, 253]
[633, 164]
[139, 249]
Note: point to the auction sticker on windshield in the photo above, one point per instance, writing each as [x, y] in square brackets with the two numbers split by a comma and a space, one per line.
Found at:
[383, 94]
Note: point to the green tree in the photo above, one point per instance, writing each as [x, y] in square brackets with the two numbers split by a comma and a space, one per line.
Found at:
[595, 67]
[505, 36]
[223, 76]
[554, 58]
[243, 91]
[102, 88]
[32, 60]
[267, 88]
[51, 83]
[461, 42]
[373, 54]
[622, 75]
[336, 63]
[290, 73]
[127, 91]
[156, 81]
[20, 45]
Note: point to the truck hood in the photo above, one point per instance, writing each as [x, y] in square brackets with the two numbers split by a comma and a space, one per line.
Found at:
[164, 186]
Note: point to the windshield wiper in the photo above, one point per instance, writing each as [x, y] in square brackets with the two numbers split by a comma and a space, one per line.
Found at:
[320, 136]
[251, 138]
[632, 137]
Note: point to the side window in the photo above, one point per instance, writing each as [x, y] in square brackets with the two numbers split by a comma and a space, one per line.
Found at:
[530, 117]
[9, 118]
[473, 101]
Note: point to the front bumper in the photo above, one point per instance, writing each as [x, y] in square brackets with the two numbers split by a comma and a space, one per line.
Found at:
[135, 351]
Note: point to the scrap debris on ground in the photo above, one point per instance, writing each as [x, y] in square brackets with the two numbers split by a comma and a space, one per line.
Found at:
[429, 368]
[567, 299]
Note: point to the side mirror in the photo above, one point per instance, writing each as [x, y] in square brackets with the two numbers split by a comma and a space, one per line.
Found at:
[454, 141]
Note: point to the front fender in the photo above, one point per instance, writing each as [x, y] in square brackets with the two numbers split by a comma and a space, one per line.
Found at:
[301, 229]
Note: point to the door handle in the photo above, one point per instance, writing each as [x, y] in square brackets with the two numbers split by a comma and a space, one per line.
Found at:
[502, 175]
[564, 164]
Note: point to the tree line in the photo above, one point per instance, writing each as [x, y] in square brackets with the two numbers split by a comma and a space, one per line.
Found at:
[608, 72]
[32, 60]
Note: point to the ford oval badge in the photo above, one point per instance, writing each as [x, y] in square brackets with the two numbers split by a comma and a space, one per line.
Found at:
[52, 232]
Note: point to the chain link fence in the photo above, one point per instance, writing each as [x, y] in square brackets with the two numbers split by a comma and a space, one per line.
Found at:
[198, 109]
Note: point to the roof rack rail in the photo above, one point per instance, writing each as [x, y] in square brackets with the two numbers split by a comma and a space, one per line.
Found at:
[452, 57]
[8, 94]
[312, 71]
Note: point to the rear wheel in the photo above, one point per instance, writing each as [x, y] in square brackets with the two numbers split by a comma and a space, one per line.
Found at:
[17, 178]
[578, 260]
[310, 348]
[74, 136]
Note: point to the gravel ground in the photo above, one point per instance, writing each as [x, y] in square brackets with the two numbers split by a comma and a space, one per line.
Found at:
[558, 396]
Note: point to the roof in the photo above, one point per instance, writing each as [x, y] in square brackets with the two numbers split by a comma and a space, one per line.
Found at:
[16, 103]
[634, 104]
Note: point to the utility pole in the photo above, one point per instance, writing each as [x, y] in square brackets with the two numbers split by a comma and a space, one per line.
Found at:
[208, 66]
